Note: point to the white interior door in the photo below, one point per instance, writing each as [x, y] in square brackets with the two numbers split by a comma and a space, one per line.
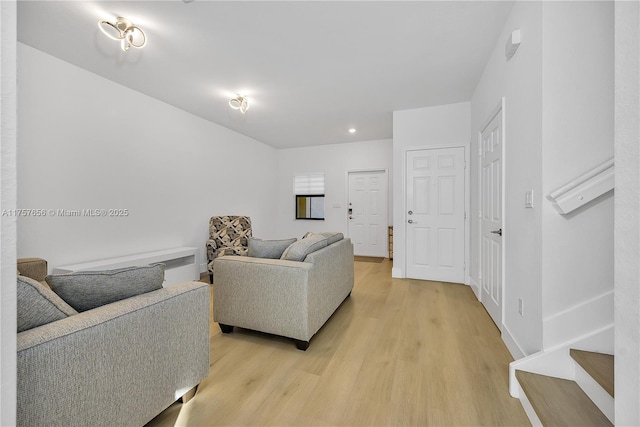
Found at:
[367, 213]
[434, 214]
[491, 218]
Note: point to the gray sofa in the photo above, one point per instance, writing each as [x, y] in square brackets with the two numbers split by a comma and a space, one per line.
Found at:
[289, 298]
[119, 364]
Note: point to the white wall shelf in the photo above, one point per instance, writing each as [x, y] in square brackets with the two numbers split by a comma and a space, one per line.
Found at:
[584, 188]
[180, 264]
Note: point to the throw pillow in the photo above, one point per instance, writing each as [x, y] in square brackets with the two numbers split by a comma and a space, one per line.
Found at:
[85, 290]
[38, 305]
[273, 249]
[299, 250]
[331, 236]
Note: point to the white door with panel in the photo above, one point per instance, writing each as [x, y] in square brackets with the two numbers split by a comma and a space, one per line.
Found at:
[434, 215]
[491, 218]
[367, 213]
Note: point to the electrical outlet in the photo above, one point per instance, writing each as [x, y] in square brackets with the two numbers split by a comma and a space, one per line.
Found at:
[520, 306]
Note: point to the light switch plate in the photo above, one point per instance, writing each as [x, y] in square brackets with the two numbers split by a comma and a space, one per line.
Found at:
[528, 199]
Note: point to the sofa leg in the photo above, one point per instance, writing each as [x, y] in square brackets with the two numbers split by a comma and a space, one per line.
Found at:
[211, 278]
[302, 345]
[189, 394]
[226, 329]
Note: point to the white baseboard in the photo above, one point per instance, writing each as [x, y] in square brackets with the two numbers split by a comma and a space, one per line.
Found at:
[596, 393]
[512, 345]
[397, 273]
[528, 408]
[579, 320]
[474, 287]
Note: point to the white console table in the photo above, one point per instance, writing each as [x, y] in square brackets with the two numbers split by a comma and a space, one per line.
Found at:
[180, 264]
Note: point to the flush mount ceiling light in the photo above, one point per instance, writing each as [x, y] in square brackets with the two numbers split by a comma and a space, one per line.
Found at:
[125, 32]
[239, 103]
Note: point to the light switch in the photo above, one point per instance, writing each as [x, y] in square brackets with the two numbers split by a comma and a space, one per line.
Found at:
[528, 199]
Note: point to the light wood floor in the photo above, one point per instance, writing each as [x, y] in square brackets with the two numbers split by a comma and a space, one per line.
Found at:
[399, 352]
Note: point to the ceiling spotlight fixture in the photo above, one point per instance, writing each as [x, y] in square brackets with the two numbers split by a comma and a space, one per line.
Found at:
[352, 130]
[239, 103]
[125, 32]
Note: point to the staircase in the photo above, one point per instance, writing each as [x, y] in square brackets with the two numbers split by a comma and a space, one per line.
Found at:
[567, 386]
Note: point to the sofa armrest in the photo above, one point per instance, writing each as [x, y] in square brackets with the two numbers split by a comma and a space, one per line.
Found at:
[268, 295]
[138, 355]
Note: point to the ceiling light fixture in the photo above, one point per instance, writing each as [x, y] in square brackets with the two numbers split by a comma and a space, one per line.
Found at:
[239, 103]
[352, 130]
[125, 32]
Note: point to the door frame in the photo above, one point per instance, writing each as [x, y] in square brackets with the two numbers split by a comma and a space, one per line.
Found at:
[498, 109]
[389, 198]
[402, 272]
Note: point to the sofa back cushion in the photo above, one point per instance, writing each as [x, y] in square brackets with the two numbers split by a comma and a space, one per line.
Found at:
[85, 290]
[38, 305]
[272, 249]
[299, 250]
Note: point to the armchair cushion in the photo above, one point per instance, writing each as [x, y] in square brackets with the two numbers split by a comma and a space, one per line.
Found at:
[229, 232]
[38, 305]
[272, 249]
[299, 250]
[85, 290]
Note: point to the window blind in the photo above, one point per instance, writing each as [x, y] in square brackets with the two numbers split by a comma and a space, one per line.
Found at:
[308, 184]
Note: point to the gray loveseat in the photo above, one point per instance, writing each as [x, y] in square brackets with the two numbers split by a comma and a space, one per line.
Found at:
[282, 297]
[119, 364]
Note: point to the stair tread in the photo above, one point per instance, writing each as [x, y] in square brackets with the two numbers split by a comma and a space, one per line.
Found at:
[560, 402]
[598, 365]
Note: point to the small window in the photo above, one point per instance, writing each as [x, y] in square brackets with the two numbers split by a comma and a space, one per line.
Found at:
[310, 206]
[309, 193]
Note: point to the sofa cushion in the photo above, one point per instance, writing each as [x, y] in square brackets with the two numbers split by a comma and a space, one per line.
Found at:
[85, 290]
[272, 249]
[299, 250]
[38, 305]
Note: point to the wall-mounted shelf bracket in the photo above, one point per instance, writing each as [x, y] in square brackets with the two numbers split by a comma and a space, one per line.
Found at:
[584, 188]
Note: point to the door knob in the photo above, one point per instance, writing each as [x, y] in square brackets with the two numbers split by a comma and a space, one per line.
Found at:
[410, 221]
[410, 212]
[498, 232]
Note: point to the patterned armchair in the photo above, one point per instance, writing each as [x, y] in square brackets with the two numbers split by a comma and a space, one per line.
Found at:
[228, 235]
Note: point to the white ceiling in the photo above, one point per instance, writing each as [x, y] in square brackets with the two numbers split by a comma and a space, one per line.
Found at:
[311, 69]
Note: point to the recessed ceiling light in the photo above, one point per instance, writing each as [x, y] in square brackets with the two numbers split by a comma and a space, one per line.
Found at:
[352, 130]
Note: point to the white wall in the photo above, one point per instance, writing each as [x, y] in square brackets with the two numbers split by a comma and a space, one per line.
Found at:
[558, 91]
[519, 81]
[86, 142]
[8, 125]
[627, 213]
[429, 127]
[335, 161]
[577, 116]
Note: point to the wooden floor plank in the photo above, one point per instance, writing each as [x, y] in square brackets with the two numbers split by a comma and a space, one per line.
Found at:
[397, 352]
[598, 365]
[560, 402]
